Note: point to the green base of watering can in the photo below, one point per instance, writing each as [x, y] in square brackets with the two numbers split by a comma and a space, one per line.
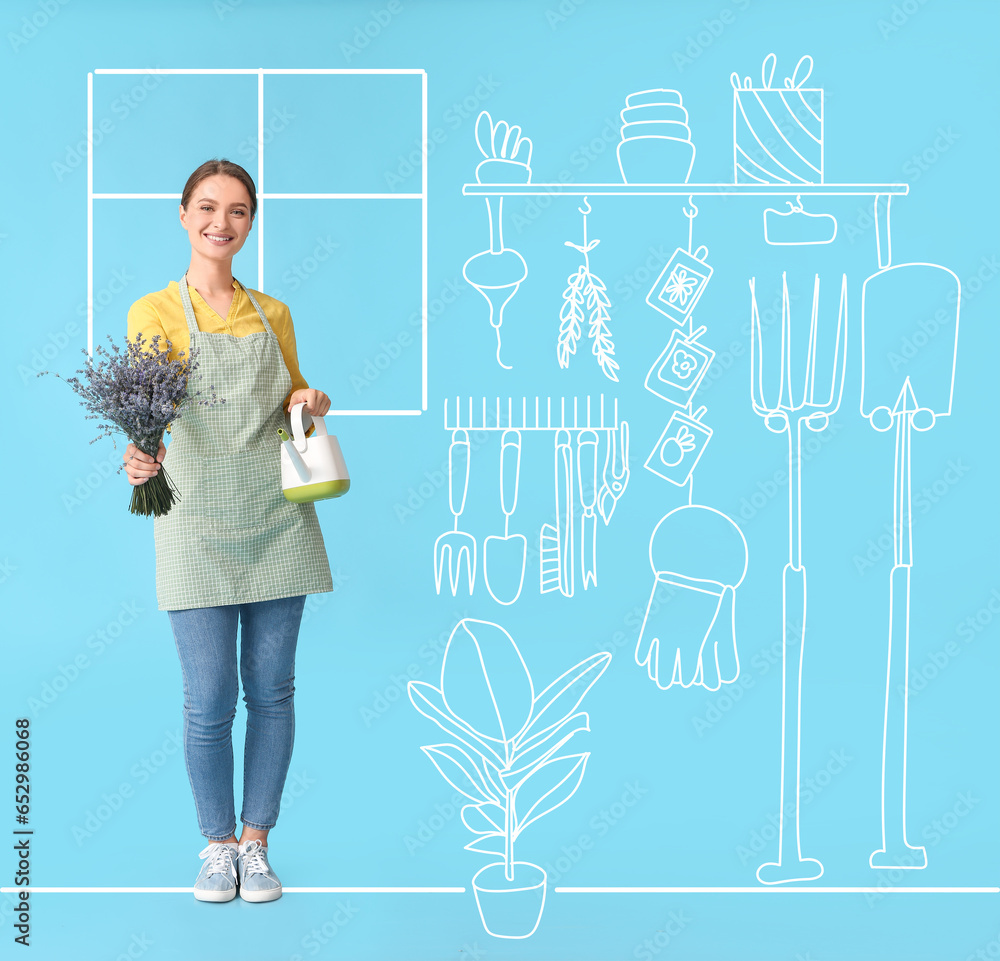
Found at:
[306, 493]
[313, 468]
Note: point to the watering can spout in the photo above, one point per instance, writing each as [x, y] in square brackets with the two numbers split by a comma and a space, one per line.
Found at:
[295, 457]
[313, 468]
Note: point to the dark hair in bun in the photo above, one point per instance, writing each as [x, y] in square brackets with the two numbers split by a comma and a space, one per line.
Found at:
[220, 166]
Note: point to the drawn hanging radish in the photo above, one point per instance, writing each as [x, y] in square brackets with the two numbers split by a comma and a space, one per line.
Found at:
[497, 273]
[586, 292]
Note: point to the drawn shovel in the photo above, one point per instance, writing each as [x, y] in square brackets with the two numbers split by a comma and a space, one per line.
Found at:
[910, 329]
[504, 556]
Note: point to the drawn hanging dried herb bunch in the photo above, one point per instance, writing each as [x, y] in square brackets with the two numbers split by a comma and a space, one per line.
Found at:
[586, 292]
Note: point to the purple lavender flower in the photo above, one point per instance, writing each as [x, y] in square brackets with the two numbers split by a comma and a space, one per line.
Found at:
[139, 391]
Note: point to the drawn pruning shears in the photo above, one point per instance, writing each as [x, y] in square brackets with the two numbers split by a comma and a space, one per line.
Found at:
[616, 472]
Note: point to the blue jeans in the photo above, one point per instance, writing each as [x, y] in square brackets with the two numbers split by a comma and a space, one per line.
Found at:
[206, 644]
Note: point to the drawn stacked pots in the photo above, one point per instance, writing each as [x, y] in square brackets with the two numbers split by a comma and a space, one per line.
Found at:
[656, 146]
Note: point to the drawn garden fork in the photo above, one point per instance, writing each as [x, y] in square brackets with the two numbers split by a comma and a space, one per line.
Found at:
[789, 415]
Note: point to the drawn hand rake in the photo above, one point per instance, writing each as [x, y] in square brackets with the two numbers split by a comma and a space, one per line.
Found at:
[792, 411]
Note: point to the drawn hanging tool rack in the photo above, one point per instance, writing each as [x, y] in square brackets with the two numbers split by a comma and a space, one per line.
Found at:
[576, 424]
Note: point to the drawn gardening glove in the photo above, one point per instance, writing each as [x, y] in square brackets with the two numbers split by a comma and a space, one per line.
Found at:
[718, 660]
[687, 637]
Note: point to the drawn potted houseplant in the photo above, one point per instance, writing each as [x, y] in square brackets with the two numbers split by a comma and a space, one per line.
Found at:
[508, 757]
[507, 153]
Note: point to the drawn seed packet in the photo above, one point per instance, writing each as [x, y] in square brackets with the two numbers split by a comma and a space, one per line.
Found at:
[680, 367]
[679, 448]
[680, 284]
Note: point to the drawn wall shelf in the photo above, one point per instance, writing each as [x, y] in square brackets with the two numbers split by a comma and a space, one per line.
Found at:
[684, 190]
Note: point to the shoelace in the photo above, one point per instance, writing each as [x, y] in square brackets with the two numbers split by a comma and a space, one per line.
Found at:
[254, 859]
[220, 860]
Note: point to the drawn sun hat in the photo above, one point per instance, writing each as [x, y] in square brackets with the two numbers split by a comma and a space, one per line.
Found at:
[656, 142]
[699, 558]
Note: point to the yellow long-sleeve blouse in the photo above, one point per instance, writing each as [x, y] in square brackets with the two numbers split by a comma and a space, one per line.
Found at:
[161, 313]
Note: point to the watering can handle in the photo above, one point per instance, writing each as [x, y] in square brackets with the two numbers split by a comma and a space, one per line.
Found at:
[299, 430]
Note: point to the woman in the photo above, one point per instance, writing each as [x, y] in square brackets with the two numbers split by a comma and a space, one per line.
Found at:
[231, 549]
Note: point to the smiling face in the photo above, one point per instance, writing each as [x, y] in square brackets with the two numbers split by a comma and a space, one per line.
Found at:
[217, 218]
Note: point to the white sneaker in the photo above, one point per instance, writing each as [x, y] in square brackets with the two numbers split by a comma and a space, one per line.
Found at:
[217, 879]
[258, 882]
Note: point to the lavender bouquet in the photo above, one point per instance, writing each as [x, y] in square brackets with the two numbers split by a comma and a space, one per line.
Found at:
[139, 391]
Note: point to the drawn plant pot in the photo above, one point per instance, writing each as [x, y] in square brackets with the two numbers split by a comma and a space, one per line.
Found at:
[507, 757]
[655, 160]
[497, 171]
[510, 909]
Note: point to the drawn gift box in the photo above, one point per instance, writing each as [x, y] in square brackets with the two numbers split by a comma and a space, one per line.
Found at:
[778, 131]
[677, 372]
[680, 284]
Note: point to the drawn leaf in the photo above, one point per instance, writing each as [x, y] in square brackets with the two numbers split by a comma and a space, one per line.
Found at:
[484, 133]
[428, 701]
[487, 844]
[549, 785]
[483, 818]
[500, 130]
[599, 332]
[459, 770]
[521, 153]
[494, 780]
[542, 747]
[563, 696]
[570, 318]
[484, 680]
[510, 142]
[598, 287]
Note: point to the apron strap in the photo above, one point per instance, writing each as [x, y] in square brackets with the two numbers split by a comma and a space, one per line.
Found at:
[189, 310]
[186, 304]
[263, 316]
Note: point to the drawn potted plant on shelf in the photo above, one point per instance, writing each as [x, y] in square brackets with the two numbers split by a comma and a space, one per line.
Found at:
[507, 153]
[508, 758]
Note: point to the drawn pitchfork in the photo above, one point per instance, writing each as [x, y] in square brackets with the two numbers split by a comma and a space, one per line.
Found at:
[788, 415]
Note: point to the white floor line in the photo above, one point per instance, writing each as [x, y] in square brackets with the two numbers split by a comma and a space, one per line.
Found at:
[781, 890]
[558, 890]
[187, 890]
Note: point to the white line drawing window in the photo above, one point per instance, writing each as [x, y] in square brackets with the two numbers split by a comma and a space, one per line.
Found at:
[268, 203]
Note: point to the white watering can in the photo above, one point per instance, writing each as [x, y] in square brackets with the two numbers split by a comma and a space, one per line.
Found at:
[312, 468]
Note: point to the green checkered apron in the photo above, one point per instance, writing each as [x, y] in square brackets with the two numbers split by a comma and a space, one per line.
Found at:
[232, 537]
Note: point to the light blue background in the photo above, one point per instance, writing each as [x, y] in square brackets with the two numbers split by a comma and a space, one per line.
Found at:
[359, 786]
